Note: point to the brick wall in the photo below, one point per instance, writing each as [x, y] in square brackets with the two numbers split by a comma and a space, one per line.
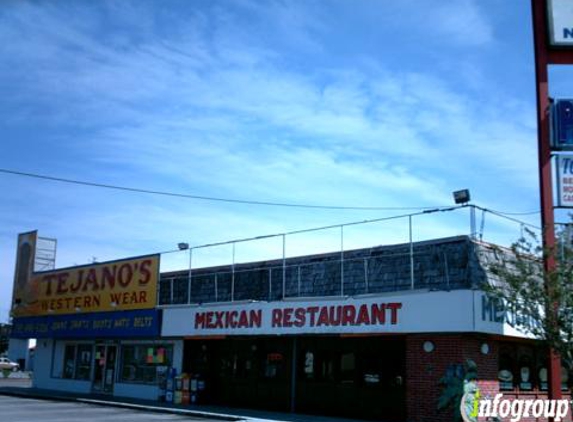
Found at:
[424, 371]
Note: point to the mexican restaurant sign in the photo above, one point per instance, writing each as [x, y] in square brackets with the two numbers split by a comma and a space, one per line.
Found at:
[404, 312]
[110, 286]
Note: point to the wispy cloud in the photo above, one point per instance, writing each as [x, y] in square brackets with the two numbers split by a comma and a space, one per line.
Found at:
[315, 102]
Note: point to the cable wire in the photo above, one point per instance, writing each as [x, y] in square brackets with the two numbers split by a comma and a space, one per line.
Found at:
[204, 198]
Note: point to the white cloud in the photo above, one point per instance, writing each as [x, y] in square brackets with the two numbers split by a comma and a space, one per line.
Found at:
[213, 104]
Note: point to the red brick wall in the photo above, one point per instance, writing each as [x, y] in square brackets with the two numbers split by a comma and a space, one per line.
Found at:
[424, 370]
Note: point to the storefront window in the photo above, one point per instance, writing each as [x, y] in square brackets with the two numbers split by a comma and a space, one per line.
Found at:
[77, 361]
[347, 367]
[524, 367]
[273, 365]
[141, 363]
[526, 372]
[309, 365]
[507, 369]
[69, 361]
[83, 362]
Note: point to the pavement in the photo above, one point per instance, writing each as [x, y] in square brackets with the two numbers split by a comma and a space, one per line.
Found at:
[22, 388]
[18, 409]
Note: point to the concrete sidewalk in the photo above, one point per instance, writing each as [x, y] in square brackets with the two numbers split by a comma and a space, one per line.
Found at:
[213, 412]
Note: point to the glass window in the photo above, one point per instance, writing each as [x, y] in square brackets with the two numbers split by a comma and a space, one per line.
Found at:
[69, 361]
[347, 367]
[273, 365]
[77, 361]
[309, 365]
[83, 362]
[141, 363]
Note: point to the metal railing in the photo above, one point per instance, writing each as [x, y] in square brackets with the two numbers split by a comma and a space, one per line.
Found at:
[413, 264]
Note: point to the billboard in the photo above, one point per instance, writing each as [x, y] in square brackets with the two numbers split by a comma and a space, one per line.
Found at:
[560, 20]
[126, 284]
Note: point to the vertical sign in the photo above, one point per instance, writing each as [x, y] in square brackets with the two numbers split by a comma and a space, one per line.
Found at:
[560, 16]
[565, 180]
[22, 292]
[562, 124]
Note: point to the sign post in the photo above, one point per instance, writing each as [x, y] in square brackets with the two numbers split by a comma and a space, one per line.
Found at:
[552, 13]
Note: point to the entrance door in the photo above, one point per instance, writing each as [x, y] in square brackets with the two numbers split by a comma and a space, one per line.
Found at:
[104, 375]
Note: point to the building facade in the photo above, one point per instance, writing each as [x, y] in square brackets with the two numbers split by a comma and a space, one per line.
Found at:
[376, 333]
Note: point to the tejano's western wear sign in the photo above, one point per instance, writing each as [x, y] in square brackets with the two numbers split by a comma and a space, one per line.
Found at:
[110, 286]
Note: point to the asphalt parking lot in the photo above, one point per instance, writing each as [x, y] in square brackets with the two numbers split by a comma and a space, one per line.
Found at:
[16, 409]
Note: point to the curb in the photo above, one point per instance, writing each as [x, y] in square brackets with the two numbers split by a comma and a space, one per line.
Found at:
[125, 405]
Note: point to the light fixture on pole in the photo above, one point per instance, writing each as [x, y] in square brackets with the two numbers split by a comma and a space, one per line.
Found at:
[183, 246]
[462, 196]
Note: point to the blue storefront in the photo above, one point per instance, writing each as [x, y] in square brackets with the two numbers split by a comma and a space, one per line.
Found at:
[119, 353]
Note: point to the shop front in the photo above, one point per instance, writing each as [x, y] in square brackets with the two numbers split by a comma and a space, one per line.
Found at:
[113, 353]
[96, 326]
[334, 375]
[374, 357]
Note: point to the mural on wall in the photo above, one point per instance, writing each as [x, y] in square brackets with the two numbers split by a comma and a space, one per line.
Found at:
[460, 391]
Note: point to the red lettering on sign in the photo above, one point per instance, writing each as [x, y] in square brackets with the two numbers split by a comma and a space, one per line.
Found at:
[199, 320]
[300, 318]
[62, 280]
[363, 316]
[323, 317]
[348, 314]
[145, 272]
[256, 318]
[394, 312]
[277, 318]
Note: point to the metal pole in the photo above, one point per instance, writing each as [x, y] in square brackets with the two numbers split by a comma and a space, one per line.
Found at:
[446, 270]
[216, 287]
[284, 266]
[411, 253]
[190, 275]
[341, 260]
[270, 284]
[366, 275]
[233, 275]
[472, 221]
[539, 9]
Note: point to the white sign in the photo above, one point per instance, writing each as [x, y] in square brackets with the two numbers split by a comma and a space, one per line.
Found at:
[404, 312]
[560, 17]
[565, 180]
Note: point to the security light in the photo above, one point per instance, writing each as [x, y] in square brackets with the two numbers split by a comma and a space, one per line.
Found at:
[462, 196]
[183, 246]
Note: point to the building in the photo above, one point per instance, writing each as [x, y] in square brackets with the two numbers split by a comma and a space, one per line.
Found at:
[375, 333]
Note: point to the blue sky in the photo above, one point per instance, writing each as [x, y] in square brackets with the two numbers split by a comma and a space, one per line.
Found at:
[340, 102]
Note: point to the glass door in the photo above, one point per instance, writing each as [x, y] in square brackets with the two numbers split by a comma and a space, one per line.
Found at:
[104, 375]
